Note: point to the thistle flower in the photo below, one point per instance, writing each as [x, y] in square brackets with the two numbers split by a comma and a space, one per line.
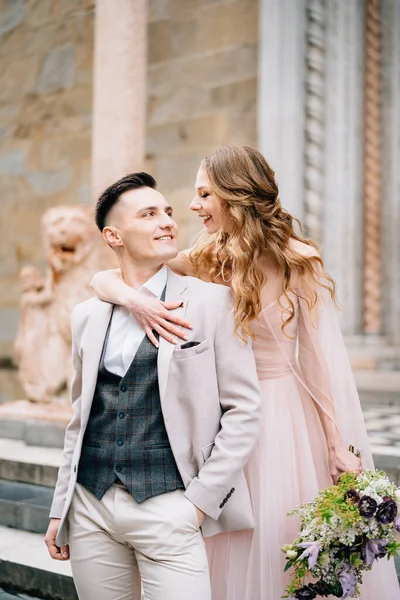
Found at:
[352, 495]
[387, 511]
[367, 507]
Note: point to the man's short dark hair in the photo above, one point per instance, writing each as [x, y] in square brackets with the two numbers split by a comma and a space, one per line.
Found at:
[111, 195]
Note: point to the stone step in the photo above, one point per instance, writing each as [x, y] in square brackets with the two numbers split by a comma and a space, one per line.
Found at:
[25, 506]
[11, 595]
[33, 432]
[29, 464]
[378, 387]
[383, 426]
[26, 567]
[390, 464]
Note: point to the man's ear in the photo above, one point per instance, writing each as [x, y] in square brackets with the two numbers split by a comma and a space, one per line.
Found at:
[111, 236]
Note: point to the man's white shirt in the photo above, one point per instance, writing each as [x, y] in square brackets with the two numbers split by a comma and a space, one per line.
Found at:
[126, 334]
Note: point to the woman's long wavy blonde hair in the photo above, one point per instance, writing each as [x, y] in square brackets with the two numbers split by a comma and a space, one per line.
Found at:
[245, 185]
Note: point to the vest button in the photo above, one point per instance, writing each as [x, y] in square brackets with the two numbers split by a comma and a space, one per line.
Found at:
[123, 388]
[118, 469]
[120, 442]
[121, 415]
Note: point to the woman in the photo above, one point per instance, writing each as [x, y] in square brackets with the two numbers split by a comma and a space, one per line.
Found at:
[284, 301]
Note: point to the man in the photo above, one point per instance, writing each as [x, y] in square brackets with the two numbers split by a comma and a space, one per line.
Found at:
[159, 438]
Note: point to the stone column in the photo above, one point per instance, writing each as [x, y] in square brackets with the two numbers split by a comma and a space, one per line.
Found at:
[280, 95]
[372, 171]
[344, 99]
[314, 126]
[119, 103]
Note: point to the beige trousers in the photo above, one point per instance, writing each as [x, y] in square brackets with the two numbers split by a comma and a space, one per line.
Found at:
[117, 546]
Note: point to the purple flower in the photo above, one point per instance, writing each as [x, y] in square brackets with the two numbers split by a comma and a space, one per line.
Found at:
[372, 550]
[352, 495]
[387, 512]
[397, 524]
[348, 580]
[305, 593]
[311, 551]
[367, 507]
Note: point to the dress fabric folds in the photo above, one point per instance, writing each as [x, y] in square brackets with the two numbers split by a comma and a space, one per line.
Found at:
[300, 368]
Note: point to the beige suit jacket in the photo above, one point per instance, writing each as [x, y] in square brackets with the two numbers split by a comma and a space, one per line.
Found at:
[209, 395]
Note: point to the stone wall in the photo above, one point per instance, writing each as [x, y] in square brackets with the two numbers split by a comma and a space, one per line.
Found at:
[202, 91]
[45, 129]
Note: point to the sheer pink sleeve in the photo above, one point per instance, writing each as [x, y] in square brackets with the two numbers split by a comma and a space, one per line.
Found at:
[326, 372]
[322, 367]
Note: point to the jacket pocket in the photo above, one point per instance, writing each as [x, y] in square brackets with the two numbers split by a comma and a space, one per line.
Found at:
[206, 451]
[150, 446]
[182, 353]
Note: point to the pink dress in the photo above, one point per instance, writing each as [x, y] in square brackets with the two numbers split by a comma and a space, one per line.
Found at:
[298, 371]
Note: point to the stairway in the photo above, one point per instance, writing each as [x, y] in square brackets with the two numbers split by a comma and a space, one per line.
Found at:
[10, 595]
[27, 478]
[378, 388]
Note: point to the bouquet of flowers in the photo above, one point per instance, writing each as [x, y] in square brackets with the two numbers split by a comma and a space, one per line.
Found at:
[343, 531]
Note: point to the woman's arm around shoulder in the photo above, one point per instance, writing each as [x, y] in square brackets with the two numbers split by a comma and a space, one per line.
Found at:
[151, 314]
[181, 264]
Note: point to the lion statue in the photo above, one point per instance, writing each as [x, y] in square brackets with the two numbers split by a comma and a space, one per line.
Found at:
[74, 252]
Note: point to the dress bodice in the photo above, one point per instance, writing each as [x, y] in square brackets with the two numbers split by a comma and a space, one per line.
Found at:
[275, 348]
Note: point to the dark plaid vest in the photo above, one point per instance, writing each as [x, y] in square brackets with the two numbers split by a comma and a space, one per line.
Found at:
[125, 438]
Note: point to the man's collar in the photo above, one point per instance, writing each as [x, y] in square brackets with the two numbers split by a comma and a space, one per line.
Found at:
[156, 284]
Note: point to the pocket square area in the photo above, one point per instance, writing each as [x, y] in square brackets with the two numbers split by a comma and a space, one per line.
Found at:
[189, 345]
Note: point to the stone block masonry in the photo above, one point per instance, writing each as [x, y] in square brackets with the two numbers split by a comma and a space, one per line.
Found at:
[45, 129]
[202, 87]
[202, 90]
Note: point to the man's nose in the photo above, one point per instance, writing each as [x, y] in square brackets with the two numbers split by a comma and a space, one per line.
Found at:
[167, 223]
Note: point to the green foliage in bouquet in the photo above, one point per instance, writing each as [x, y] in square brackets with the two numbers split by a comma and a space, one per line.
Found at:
[343, 531]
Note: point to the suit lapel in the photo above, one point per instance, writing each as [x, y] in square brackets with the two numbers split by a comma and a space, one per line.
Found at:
[175, 289]
[92, 348]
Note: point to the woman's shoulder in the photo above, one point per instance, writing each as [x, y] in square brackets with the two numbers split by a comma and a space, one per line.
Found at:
[304, 249]
[181, 264]
[301, 277]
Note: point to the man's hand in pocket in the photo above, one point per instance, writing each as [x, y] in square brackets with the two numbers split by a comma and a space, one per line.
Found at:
[200, 516]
